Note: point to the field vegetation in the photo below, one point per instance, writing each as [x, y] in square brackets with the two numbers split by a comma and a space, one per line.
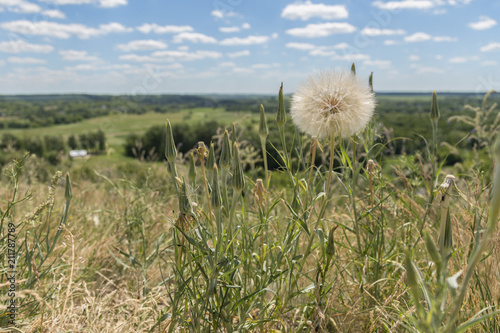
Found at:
[156, 232]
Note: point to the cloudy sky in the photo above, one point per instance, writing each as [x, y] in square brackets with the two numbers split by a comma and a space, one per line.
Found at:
[244, 46]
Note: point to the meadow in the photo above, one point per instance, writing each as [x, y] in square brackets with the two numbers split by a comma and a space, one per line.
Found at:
[367, 233]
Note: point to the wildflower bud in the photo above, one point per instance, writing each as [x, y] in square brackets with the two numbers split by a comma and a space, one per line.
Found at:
[192, 169]
[330, 246]
[370, 166]
[431, 248]
[263, 130]
[281, 117]
[211, 157]
[202, 151]
[170, 150]
[434, 108]
[411, 272]
[215, 199]
[68, 193]
[448, 232]
[238, 177]
[353, 69]
[184, 203]
[258, 191]
[225, 154]
[370, 81]
[233, 135]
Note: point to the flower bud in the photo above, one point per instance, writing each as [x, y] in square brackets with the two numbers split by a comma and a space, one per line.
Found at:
[215, 199]
[68, 193]
[184, 203]
[263, 130]
[434, 108]
[238, 176]
[353, 69]
[170, 150]
[281, 117]
[211, 157]
[192, 169]
[225, 154]
[431, 248]
[330, 246]
[370, 81]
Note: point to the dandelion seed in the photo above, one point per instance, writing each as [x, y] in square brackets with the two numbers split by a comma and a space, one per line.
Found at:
[332, 102]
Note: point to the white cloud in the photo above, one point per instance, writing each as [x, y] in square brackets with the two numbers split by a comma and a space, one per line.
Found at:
[238, 54]
[227, 64]
[142, 45]
[101, 3]
[489, 63]
[414, 57]
[250, 40]
[266, 66]
[229, 29]
[405, 4]
[457, 60]
[444, 39]
[377, 63]
[381, 32]
[245, 26]
[301, 46]
[26, 7]
[421, 70]
[306, 10]
[351, 57]
[484, 23]
[186, 56]
[194, 37]
[391, 42]
[20, 46]
[219, 14]
[75, 55]
[490, 47]
[63, 31]
[243, 70]
[418, 37]
[146, 28]
[26, 60]
[322, 30]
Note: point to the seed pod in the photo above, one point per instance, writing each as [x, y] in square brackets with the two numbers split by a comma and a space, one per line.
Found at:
[353, 69]
[411, 273]
[448, 233]
[431, 248]
[281, 117]
[211, 157]
[263, 129]
[185, 206]
[215, 199]
[258, 191]
[238, 176]
[192, 170]
[225, 154]
[434, 115]
[330, 246]
[68, 193]
[170, 150]
[370, 81]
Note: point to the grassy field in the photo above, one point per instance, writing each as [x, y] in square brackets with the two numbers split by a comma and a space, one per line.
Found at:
[358, 243]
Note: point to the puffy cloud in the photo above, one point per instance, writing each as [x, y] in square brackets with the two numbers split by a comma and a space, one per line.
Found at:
[490, 47]
[75, 55]
[414, 57]
[20, 46]
[484, 23]
[26, 60]
[405, 4]
[146, 28]
[101, 3]
[63, 31]
[229, 29]
[250, 40]
[457, 60]
[301, 46]
[219, 14]
[174, 55]
[381, 32]
[194, 37]
[377, 63]
[307, 10]
[238, 54]
[26, 7]
[322, 30]
[142, 45]
[418, 37]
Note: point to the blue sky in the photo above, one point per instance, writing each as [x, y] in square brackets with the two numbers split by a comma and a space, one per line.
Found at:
[244, 46]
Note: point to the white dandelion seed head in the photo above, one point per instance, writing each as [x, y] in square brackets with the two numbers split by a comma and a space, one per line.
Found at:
[332, 102]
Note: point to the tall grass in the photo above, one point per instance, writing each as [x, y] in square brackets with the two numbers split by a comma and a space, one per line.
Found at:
[360, 242]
